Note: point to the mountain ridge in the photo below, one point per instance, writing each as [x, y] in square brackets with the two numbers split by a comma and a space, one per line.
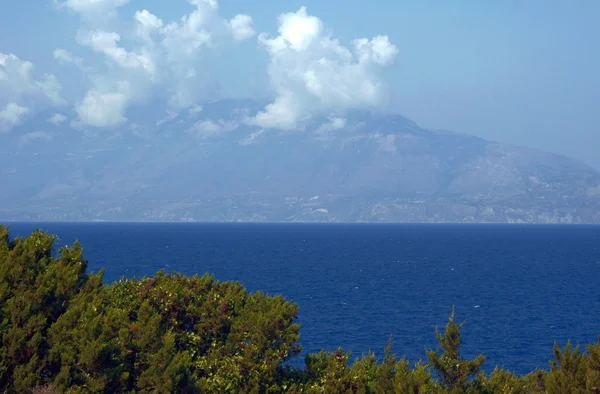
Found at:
[210, 165]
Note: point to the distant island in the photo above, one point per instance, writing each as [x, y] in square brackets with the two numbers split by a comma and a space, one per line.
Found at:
[64, 330]
[362, 167]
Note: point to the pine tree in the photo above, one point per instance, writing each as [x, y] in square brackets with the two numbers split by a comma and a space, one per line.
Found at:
[36, 287]
[568, 371]
[453, 371]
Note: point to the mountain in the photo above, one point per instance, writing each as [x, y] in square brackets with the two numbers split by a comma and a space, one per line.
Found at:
[209, 165]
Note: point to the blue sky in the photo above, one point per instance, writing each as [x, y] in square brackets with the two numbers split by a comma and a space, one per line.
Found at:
[523, 72]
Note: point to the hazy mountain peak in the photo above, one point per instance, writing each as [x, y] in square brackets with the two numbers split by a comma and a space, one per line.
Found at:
[210, 163]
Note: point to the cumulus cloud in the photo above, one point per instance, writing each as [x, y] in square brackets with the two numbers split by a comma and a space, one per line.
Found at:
[57, 119]
[106, 43]
[312, 72]
[21, 93]
[184, 38]
[102, 109]
[147, 23]
[284, 112]
[241, 27]
[17, 81]
[11, 116]
[153, 56]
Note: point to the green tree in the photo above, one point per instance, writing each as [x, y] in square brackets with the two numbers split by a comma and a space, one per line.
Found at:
[454, 372]
[173, 332]
[36, 287]
[395, 375]
[501, 381]
[568, 371]
[331, 373]
[593, 367]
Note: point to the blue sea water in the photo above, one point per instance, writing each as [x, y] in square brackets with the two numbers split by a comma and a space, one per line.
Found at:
[519, 288]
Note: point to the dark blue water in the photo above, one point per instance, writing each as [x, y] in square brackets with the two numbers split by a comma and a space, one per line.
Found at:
[519, 288]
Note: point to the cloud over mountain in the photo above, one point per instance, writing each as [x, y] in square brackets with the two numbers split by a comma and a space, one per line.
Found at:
[129, 57]
[313, 72]
[148, 57]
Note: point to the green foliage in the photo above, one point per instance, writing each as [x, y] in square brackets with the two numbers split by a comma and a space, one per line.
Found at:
[501, 381]
[63, 330]
[451, 368]
[36, 287]
[593, 367]
[332, 373]
[567, 371]
[395, 375]
[571, 371]
[172, 332]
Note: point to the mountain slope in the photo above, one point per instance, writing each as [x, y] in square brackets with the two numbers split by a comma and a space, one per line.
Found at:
[211, 166]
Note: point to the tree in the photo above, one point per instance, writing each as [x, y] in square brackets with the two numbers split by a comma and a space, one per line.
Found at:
[568, 371]
[453, 371]
[36, 287]
[172, 332]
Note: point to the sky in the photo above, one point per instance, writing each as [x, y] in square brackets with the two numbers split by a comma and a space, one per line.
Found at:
[521, 72]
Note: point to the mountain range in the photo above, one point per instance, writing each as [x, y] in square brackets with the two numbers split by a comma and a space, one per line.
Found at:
[210, 164]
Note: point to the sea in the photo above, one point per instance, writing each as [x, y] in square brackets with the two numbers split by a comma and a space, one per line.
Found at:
[518, 288]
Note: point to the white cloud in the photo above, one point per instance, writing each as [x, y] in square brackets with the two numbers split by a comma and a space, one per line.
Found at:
[17, 82]
[57, 119]
[106, 42]
[21, 92]
[208, 128]
[50, 87]
[148, 23]
[241, 27]
[102, 109]
[311, 72]
[195, 110]
[92, 9]
[210, 3]
[66, 57]
[203, 27]
[154, 57]
[296, 31]
[192, 32]
[252, 137]
[205, 129]
[377, 50]
[332, 124]
[11, 116]
[282, 113]
[36, 136]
